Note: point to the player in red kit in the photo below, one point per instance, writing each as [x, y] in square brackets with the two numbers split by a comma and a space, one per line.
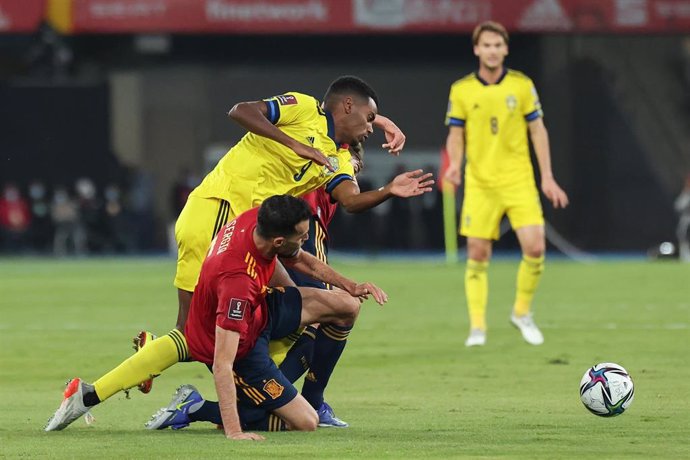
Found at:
[236, 314]
[319, 347]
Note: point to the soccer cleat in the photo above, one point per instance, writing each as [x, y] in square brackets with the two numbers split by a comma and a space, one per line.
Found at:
[476, 338]
[176, 415]
[530, 331]
[72, 406]
[328, 419]
[140, 341]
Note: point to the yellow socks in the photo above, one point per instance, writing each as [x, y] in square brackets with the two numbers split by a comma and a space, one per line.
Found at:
[148, 362]
[528, 278]
[477, 292]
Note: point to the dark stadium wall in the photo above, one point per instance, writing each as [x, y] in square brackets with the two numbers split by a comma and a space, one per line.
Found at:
[167, 109]
[56, 133]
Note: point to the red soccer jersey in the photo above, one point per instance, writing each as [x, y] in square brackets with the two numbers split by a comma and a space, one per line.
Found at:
[231, 292]
[321, 206]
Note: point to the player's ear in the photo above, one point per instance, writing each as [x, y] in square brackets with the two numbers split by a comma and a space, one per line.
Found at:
[278, 241]
[348, 103]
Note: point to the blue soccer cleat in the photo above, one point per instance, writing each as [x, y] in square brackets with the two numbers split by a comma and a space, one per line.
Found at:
[327, 418]
[176, 415]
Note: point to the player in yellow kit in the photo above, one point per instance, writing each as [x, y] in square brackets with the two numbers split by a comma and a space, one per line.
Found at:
[489, 114]
[294, 145]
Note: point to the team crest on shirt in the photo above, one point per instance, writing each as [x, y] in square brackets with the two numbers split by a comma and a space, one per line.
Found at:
[273, 388]
[286, 99]
[237, 308]
[511, 103]
[335, 164]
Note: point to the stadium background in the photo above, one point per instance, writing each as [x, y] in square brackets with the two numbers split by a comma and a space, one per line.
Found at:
[133, 93]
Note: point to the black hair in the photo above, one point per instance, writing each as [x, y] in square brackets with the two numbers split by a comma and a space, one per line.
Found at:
[350, 85]
[279, 214]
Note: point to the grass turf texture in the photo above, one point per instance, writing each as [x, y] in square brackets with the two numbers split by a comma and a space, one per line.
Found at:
[406, 384]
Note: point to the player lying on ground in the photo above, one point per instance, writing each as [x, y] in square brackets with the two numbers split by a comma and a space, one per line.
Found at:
[319, 347]
[347, 193]
[234, 313]
[294, 145]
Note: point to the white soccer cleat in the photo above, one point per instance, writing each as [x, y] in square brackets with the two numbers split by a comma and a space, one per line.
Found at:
[530, 331]
[476, 338]
[71, 408]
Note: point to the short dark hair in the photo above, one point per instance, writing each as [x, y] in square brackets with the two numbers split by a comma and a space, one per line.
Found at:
[279, 214]
[490, 26]
[348, 85]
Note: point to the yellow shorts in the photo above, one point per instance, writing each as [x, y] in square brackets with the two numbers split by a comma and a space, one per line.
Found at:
[199, 221]
[278, 349]
[483, 209]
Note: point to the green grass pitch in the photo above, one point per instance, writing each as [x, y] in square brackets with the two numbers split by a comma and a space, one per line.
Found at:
[406, 383]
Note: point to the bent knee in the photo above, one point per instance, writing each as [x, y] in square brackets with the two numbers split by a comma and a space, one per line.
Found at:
[309, 422]
[349, 310]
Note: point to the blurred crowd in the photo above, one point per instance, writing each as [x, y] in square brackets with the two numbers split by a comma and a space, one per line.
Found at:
[84, 219]
[62, 220]
[396, 224]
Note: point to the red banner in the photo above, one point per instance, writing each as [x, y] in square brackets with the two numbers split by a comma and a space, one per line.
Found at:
[347, 16]
[461, 16]
[21, 16]
[212, 16]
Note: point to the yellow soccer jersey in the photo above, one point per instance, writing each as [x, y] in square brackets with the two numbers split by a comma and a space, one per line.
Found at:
[495, 119]
[257, 168]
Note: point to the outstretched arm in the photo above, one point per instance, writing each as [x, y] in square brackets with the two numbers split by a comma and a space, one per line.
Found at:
[395, 138]
[253, 116]
[313, 267]
[405, 185]
[223, 358]
[540, 140]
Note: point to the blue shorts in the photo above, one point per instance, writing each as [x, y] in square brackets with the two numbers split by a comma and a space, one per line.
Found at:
[261, 387]
[316, 245]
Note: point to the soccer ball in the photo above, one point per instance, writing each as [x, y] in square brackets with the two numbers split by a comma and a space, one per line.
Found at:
[606, 390]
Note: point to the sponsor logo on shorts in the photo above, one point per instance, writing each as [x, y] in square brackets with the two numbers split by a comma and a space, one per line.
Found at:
[274, 389]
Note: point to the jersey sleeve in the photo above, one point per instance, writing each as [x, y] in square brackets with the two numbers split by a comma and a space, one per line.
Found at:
[290, 108]
[343, 170]
[455, 114]
[236, 298]
[531, 107]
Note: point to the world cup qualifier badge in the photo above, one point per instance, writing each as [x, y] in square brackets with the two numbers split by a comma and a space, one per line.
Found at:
[236, 308]
[286, 99]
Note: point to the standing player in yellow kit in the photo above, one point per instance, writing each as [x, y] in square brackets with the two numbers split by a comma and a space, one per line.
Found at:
[489, 114]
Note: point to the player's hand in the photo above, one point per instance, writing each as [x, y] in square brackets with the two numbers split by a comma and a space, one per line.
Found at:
[452, 175]
[554, 193]
[364, 290]
[395, 138]
[411, 183]
[242, 436]
[315, 155]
